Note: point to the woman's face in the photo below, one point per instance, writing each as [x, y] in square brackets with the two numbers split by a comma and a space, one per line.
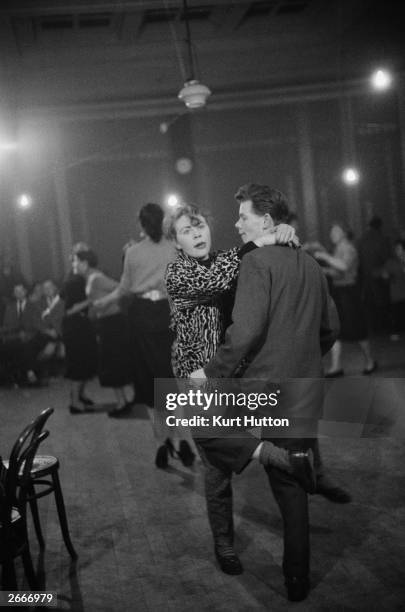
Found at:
[193, 236]
[399, 251]
[78, 266]
[336, 234]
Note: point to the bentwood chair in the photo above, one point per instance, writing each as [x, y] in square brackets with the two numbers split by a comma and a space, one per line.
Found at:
[14, 483]
[44, 480]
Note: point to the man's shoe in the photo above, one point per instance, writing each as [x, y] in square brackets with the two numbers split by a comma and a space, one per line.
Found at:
[297, 588]
[332, 492]
[302, 464]
[185, 454]
[162, 457]
[230, 564]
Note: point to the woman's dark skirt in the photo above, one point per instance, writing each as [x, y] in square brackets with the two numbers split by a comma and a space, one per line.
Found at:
[353, 327]
[113, 351]
[81, 347]
[151, 341]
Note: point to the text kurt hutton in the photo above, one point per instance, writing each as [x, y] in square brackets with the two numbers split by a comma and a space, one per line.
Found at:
[220, 421]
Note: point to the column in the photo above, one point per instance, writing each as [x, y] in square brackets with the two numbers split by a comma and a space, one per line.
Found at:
[401, 112]
[21, 226]
[307, 175]
[349, 156]
[61, 197]
[56, 267]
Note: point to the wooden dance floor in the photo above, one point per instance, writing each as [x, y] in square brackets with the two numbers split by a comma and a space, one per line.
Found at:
[142, 534]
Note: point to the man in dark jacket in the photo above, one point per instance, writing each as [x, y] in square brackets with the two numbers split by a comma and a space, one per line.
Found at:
[283, 322]
[23, 337]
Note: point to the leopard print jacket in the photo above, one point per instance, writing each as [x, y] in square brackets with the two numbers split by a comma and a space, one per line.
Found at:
[195, 295]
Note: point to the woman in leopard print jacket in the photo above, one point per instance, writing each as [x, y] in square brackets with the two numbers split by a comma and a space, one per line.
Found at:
[200, 286]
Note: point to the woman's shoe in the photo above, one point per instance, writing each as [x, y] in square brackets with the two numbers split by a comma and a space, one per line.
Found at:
[162, 459]
[186, 454]
[86, 400]
[76, 410]
[371, 369]
[335, 373]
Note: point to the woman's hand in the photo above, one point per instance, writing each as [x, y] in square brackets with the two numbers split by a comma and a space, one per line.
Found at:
[72, 311]
[285, 234]
[313, 246]
[77, 308]
[321, 256]
[197, 377]
[198, 374]
[281, 234]
[100, 303]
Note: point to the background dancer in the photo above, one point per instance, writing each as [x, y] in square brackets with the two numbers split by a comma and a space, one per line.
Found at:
[79, 339]
[111, 330]
[149, 319]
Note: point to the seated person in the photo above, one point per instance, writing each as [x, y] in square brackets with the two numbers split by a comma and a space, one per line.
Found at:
[394, 271]
[36, 296]
[23, 337]
[9, 277]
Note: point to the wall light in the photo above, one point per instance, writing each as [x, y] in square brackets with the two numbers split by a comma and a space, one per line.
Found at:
[24, 201]
[350, 176]
[172, 200]
[381, 79]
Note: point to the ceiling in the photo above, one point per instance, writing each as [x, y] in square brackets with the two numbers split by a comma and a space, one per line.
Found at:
[78, 53]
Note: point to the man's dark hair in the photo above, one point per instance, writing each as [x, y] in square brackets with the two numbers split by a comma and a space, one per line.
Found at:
[151, 218]
[88, 256]
[265, 200]
[23, 285]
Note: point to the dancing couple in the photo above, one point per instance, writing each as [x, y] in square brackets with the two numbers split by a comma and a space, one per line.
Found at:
[283, 322]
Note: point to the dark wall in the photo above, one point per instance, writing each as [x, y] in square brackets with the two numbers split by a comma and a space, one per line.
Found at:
[112, 167]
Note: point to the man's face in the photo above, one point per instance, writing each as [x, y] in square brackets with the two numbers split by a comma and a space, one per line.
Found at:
[193, 236]
[49, 289]
[20, 293]
[250, 225]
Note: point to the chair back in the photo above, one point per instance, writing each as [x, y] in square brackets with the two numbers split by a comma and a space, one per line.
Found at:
[32, 431]
[14, 492]
[17, 476]
[20, 463]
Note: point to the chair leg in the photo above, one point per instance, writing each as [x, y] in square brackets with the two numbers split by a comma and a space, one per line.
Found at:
[60, 505]
[8, 577]
[35, 516]
[29, 569]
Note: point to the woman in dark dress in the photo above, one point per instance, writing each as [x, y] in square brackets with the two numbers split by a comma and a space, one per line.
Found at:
[111, 330]
[150, 337]
[79, 340]
[342, 267]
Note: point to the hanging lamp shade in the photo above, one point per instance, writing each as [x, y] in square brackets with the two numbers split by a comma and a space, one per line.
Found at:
[194, 94]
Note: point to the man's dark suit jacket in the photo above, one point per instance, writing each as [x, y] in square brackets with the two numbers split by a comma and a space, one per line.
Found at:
[29, 322]
[283, 319]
